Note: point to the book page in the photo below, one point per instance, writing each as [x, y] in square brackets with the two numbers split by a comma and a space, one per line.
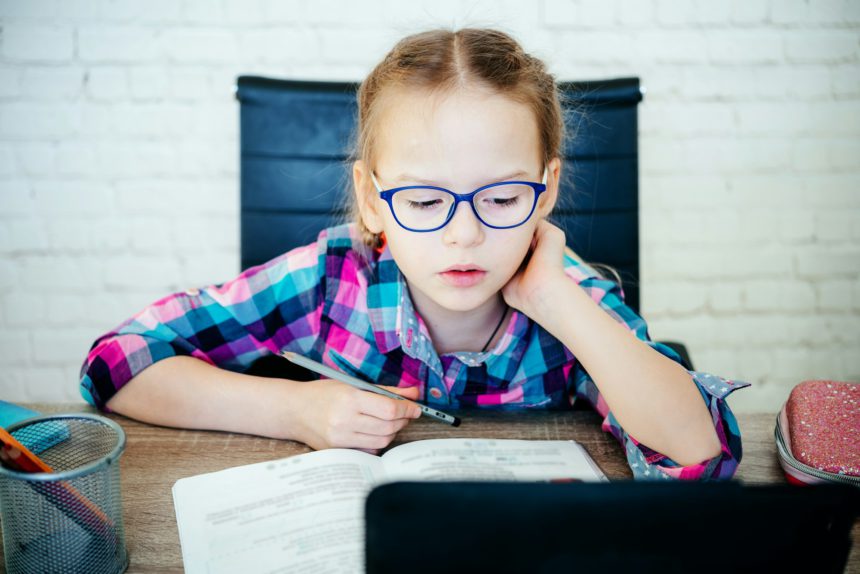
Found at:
[301, 514]
[488, 459]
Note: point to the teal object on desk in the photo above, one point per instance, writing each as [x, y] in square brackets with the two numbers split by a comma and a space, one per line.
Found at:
[51, 434]
[12, 413]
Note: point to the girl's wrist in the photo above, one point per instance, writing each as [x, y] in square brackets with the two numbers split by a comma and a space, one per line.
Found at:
[277, 410]
[542, 304]
[556, 303]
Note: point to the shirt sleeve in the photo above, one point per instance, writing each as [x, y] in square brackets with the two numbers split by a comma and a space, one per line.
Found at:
[267, 309]
[645, 463]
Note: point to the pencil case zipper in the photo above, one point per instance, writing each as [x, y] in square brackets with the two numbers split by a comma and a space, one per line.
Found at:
[800, 471]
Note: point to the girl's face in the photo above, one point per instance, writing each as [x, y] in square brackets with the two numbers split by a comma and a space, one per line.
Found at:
[460, 141]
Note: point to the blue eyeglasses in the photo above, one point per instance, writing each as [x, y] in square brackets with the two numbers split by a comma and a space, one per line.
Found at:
[424, 208]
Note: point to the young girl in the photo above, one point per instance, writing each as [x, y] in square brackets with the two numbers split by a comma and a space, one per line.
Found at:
[450, 286]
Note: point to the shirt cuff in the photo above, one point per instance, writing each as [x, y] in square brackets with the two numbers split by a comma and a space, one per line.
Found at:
[648, 464]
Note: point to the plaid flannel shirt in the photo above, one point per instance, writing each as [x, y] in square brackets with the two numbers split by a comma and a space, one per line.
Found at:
[324, 298]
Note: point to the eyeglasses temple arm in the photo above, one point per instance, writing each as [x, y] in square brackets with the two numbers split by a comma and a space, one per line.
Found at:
[375, 183]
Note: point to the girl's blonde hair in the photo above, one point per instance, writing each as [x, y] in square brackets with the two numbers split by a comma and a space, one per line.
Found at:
[440, 60]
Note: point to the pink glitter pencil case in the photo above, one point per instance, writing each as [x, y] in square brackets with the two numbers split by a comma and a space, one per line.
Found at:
[818, 433]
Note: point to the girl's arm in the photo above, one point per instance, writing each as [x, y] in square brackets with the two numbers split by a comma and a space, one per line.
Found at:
[185, 392]
[653, 397]
[630, 380]
[180, 361]
[266, 309]
[188, 393]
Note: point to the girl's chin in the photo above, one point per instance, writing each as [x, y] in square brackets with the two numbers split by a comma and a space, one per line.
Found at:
[456, 299]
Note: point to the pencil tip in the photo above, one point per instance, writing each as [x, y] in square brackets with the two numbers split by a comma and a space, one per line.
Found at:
[456, 422]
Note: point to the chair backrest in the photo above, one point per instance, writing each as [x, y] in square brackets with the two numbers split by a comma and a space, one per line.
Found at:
[295, 138]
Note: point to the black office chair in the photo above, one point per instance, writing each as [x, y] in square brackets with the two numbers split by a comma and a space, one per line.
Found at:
[295, 137]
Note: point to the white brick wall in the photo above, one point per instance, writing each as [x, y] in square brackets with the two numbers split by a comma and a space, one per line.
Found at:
[119, 161]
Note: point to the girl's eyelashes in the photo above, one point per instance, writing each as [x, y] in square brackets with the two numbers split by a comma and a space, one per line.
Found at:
[423, 204]
[504, 202]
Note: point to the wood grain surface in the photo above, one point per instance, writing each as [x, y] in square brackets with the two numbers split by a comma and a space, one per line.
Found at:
[156, 457]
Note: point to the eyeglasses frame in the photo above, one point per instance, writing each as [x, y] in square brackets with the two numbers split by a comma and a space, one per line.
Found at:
[388, 194]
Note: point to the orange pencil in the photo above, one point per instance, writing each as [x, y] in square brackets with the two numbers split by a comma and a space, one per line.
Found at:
[64, 496]
[18, 457]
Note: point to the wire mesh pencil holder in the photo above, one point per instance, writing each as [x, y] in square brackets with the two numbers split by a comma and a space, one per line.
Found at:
[68, 520]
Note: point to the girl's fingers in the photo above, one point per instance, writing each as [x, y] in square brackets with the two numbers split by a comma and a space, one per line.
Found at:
[367, 424]
[363, 441]
[367, 421]
[386, 408]
[546, 232]
[411, 393]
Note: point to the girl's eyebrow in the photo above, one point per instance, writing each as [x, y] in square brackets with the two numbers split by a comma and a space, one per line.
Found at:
[405, 177]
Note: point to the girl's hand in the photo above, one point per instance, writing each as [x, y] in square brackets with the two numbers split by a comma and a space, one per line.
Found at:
[333, 414]
[543, 267]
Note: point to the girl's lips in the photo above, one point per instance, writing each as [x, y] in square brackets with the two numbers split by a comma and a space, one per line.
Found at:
[463, 278]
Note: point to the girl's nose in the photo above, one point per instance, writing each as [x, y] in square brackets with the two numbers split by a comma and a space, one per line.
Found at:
[464, 228]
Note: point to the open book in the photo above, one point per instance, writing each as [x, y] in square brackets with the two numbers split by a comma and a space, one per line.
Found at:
[306, 513]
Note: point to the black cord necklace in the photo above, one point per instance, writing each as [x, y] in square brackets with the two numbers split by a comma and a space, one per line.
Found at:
[487, 344]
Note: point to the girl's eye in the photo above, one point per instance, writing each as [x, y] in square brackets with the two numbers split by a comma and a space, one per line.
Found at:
[502, 201]
[504, 197]
[424, 204]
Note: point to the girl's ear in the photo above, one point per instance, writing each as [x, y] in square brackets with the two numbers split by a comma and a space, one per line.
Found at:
[548, 198]
[366, 197]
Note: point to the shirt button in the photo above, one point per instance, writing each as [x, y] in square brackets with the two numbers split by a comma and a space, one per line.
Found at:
[193, 292]
[435, 393]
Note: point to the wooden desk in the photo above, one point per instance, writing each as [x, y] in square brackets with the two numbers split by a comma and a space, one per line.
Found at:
[156, 457]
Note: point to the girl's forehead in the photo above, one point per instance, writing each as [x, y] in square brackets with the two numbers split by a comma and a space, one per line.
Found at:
[460, 123]
[436, 105]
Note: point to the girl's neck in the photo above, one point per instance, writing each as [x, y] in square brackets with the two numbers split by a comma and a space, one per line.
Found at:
[458, 331]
